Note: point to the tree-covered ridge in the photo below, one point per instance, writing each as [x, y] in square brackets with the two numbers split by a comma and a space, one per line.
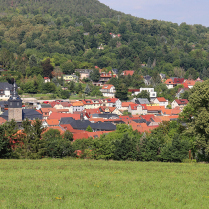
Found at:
[71, 31]
[73, 8]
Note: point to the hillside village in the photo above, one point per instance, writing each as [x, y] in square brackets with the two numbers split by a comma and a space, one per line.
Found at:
[103, 114]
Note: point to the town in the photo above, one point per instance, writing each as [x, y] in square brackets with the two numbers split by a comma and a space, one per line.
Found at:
[93, 117]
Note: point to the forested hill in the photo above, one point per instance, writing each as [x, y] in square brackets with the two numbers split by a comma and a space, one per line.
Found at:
[73, 8]
[71, 31]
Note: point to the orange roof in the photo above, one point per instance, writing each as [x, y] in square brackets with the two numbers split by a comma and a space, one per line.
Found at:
[164, 118]
[75, 104]
[87, 102]
[80, 136]
[161, 99]
[2, 121]
[190, 82]
[169, 81]
[107, 86]
[46, 110]
[39, 111]
[155, 108]
[58, 116]
[128, 72]
[126, 104]
[167, 112]
[157, 119]
[53, 122]
[62, 110]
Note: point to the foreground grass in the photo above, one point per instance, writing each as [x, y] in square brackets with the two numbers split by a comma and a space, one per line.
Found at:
[102, 184]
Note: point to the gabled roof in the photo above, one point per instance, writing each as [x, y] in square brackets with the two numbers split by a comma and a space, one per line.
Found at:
[128, 72]
[58, 116]
[178, 80]
[87, 102]
[107, 86]
[76, 104]
[169, 81]
[161, 99]
[112, 100]
[66, 104]
[92, 111]
[142, 101]
[181, 101]
[190, 82]
[133, 106]
[126, 104]
[52, 122]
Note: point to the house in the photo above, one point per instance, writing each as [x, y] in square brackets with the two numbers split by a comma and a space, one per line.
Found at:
[112, 110]
[114, 102]
[178, 81]
[84, 73]
[147, 80]
[108, 90]
[161, 101]
[104, 77]
[190, 83]
[88, 104]
[96, 102]
[125, 105]
[78, 106]
[181, 91]
[155, 110]
[169, 83]
[46, 79]
[179, 103]
[69, 78]
[5, 90]
[162, 76]
[136, 109]
[127, 72]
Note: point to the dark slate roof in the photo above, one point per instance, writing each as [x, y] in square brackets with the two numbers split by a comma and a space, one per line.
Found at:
[115, 71]
[142, 101]
[46, 106]
[82, 125]
[147, 77]
[105, 115]
[4, 85]
[66, 120]
[3, 103]
[26, 113]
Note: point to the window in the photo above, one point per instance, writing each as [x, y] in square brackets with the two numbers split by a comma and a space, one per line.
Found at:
[18, 104]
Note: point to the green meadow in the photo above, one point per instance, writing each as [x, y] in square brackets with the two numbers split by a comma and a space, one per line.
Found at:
[74, 183]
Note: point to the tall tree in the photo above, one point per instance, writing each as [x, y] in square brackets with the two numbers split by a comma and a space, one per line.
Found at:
[47, 68]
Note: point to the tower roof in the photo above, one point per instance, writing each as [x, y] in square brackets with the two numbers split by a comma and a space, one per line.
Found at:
[14, 96]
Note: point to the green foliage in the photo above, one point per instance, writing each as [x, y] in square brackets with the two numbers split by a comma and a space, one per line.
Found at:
[89, 129]
[143, 94]
[30, 146]
[95, 75]
[121, 91]
[56, 145]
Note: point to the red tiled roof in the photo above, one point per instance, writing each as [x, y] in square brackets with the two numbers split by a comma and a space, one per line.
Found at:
[80, 136]
[161, 99]
[126, 104]
[181, 101]
[147, 117]
[128, 72]
[58, 116]
[112, 100]
[87, 102]
[2, 121]
[107, 86]
[134, 106]
[53, 122]
[169, 81]
[178, 80]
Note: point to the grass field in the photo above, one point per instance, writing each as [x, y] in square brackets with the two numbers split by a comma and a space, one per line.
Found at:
[102, 184]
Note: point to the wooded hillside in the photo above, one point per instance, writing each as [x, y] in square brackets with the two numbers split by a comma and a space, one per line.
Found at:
[70, 31]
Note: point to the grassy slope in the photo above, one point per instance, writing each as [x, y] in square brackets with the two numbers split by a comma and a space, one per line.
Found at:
[102, 184]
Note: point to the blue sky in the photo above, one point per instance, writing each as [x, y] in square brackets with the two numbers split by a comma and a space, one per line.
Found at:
[176, 11]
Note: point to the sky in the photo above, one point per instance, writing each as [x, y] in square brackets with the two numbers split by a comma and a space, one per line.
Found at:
[176, 11]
